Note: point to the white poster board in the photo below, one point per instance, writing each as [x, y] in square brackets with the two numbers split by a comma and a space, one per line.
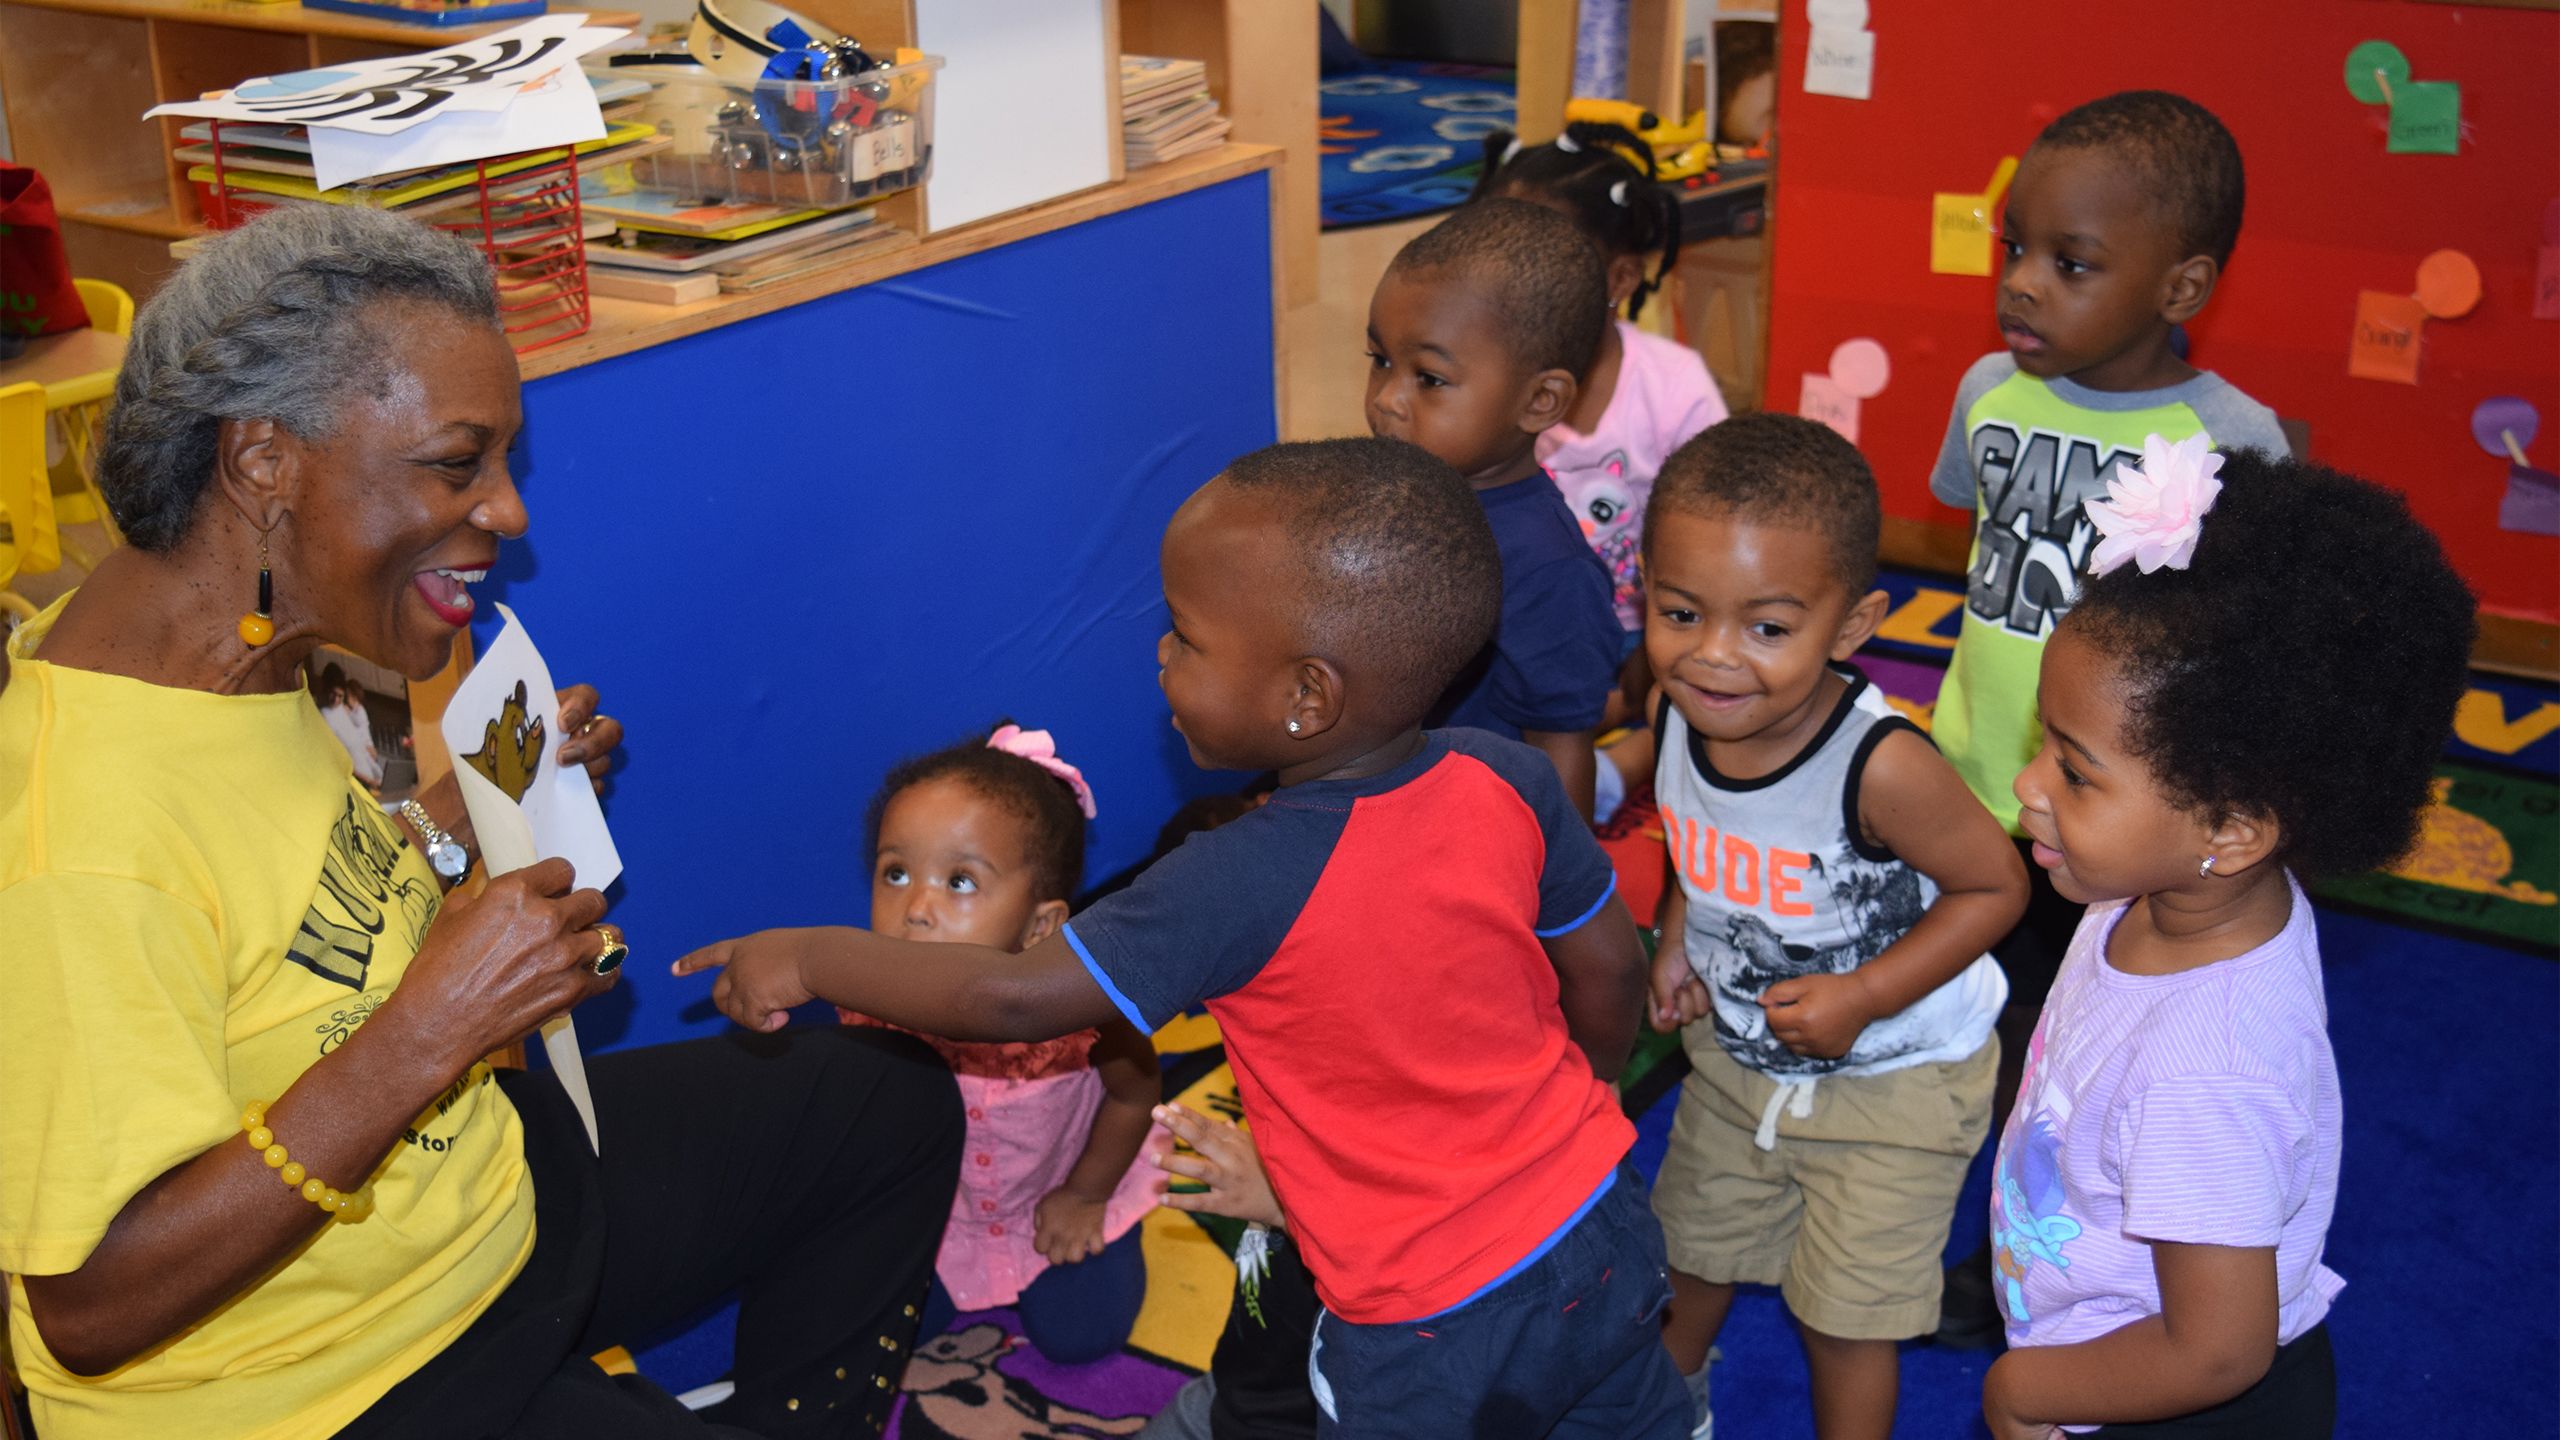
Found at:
[1023, 112]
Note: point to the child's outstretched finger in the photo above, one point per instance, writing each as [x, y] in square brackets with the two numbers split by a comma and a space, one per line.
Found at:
[709, 957]
[1189, 1167]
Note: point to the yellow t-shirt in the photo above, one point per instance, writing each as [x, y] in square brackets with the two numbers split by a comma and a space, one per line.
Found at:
[196, 904]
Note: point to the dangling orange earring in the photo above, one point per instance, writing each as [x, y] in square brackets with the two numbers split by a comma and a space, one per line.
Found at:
[259, 627]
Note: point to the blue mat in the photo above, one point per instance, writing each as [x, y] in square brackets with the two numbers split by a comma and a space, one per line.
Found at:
[1404, 139]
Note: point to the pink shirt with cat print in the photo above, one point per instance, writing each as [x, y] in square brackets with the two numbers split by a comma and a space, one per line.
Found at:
[1663, 397]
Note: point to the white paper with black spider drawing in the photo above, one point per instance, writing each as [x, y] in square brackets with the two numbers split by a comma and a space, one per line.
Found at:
[384, 97]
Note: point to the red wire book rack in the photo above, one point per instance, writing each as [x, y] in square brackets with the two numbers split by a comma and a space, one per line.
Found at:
[520, 210]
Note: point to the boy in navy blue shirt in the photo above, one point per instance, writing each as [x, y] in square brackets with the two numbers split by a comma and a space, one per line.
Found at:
[1414, 949]
[1479, 335]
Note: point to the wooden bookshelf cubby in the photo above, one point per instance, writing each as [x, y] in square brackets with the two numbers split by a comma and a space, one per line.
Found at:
[77, 75]
[1262, 62]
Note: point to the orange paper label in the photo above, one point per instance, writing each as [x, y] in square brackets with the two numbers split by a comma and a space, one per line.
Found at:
[2385, 343]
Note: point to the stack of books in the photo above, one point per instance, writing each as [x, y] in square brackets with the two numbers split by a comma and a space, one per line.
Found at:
[1166, 110]
[664, 248]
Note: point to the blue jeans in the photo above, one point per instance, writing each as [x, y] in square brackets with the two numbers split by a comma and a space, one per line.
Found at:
[1569, 1347]
[1073, 1314]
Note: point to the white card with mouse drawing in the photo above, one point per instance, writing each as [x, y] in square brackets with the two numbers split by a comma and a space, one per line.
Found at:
[502, 727]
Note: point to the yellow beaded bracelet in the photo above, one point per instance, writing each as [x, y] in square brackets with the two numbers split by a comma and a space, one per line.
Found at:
[263, 1140]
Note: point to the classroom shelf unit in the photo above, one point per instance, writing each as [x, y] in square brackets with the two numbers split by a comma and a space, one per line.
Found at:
[77, 75]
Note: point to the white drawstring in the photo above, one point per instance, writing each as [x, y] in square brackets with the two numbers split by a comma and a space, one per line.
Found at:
[1797, 1098]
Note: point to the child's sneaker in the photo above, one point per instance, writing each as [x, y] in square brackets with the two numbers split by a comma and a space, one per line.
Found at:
[1706, 1426]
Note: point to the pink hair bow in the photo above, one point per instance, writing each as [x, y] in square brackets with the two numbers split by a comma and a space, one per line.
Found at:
[2153, 515]
[1041, 749]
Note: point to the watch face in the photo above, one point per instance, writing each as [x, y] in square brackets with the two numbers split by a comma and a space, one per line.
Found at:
[448, 859]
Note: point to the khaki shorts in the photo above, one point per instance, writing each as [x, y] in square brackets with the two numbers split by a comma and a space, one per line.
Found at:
[1848, 1215]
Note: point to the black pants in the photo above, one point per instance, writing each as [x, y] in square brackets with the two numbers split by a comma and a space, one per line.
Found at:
[1260, 1366]
[811, 1171]
[2297, 1399]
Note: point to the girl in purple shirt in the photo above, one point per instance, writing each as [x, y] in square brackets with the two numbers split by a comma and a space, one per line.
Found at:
[2243, 703]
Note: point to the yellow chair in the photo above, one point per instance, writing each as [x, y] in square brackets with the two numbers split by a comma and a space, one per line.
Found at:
[32, 543]
[76, 500]
[110, 307]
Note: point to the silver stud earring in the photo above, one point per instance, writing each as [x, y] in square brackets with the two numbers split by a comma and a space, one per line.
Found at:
[2206, 868]
[1293, 727]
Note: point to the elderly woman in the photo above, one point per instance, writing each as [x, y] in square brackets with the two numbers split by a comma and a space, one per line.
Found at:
[255, 1177]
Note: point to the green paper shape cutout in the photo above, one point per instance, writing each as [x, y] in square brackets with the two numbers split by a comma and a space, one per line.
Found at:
[2368, 58]
[2426, 118]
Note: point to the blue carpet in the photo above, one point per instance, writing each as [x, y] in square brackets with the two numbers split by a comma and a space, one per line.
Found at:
[2447, 1231]
[1401, 139]
[2448, 1223]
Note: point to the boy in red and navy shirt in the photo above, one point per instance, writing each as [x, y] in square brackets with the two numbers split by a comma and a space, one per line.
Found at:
[1414, 949]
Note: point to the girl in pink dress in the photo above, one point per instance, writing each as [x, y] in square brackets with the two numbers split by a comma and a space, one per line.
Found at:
[983, 843]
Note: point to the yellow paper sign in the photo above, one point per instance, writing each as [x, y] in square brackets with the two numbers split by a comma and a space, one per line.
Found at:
[1960, 225]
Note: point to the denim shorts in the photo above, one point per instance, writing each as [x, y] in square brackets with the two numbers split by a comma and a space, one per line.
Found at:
[1569, 1347]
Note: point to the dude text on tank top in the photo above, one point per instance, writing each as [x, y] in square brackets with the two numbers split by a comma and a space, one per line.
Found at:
[1780, 882]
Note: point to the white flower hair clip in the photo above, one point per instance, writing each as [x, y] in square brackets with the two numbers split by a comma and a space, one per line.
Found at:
[2153, 515]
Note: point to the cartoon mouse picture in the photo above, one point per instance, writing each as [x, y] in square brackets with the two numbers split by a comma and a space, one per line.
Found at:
[510, 747]
[956, 1393]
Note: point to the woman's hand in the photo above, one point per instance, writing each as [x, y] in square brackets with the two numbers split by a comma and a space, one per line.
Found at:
[496, 966]
[594, 742]
[594, 739]
[760, 981]
[1226, 1161]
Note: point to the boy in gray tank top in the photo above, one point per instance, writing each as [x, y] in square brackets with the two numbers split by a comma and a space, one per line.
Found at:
[1824, 948]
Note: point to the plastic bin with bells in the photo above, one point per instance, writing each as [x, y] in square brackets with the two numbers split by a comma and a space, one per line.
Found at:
[766, 107]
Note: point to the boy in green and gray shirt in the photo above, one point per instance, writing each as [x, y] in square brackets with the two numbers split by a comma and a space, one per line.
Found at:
[2117, 227]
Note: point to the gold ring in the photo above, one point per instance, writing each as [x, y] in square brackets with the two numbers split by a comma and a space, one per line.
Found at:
[610, 958]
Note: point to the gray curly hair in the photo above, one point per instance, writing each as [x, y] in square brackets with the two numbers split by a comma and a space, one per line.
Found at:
[267, 322]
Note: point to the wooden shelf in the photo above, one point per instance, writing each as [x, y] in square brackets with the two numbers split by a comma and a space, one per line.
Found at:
[622, 326]
[1262, 62]
[77, 76]
[146, 213]
[293, 19]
